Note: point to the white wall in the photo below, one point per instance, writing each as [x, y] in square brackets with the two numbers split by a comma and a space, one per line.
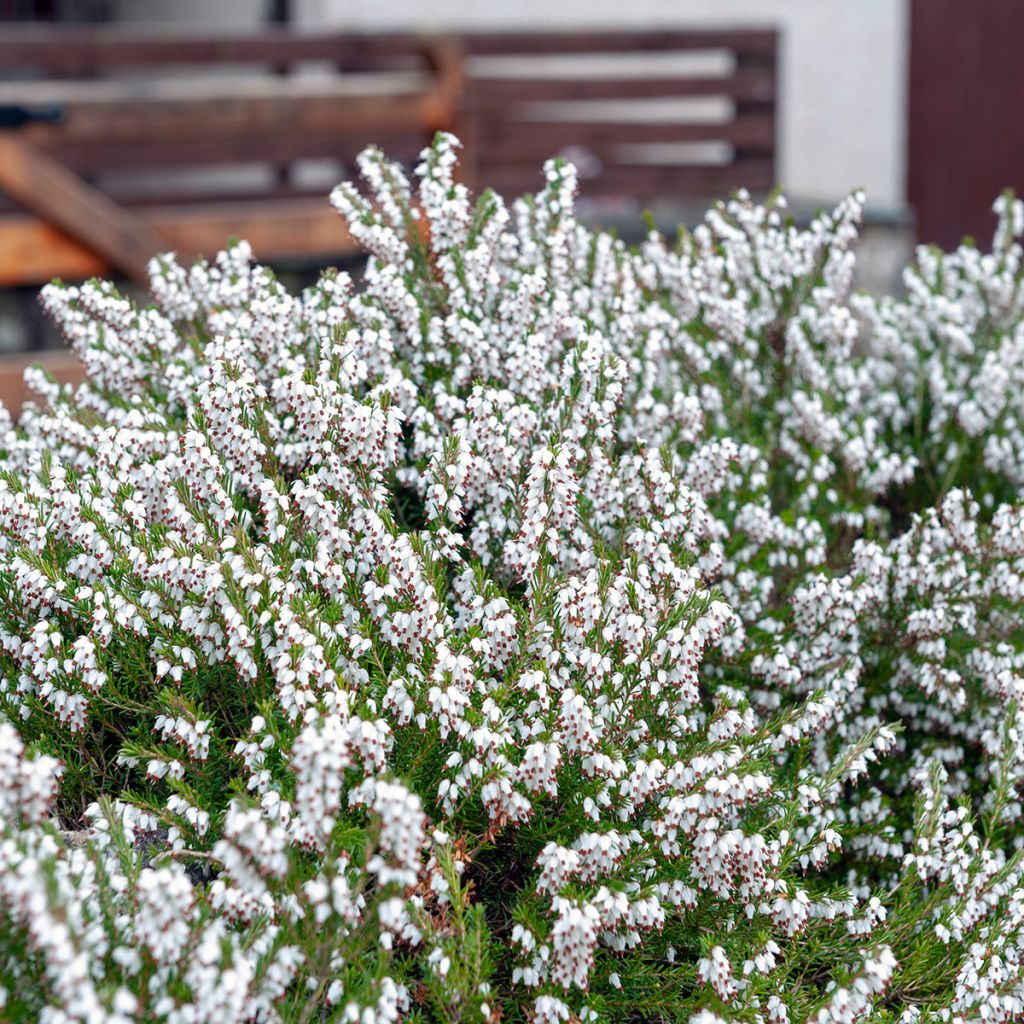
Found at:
[223, 15]
[843, 69]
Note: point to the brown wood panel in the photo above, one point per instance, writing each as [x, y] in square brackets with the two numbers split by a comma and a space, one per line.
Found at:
[92, 156]
[119, 115]
[498, 92]
[33, 251]
[966, 134]
[511, 140]
[13, 393]
[86, 50]
[755, 41]
[643, 181]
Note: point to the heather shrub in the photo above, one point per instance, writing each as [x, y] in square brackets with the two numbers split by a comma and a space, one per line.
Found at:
[538, 630]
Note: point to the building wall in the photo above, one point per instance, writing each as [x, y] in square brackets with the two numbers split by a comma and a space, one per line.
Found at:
[843, 70]
[219, 14]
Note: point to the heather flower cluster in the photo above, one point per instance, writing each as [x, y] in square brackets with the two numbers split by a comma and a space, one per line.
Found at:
[537, 629]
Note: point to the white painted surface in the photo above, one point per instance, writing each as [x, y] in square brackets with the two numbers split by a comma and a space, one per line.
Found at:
[226, 14]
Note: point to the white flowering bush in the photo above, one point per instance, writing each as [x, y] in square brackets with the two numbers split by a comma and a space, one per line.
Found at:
[537, 630]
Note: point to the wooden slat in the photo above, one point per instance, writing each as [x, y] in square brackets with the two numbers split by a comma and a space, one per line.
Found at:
[498, 92]
[277, 230]
[47, 189]
[142, 199]
[756, 41]
[246, 87]
[67, 51]
[76, 50]
[13, 393]
[119, 114]
[33, 251]
[643, 181]
[515, 140]
[93, 156]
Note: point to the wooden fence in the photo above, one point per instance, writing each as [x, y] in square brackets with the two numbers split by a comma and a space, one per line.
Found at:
[130, 104]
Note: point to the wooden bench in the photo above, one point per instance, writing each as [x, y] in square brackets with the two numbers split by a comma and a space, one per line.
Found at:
[648, 115]
[132, 105]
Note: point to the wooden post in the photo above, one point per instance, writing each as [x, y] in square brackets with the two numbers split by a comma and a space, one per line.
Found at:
[447, 60]
[763, 107]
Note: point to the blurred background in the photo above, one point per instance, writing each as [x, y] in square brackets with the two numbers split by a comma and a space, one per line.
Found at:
[132, 126]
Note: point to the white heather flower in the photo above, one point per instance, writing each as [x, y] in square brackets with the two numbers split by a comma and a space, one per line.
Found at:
[27, 786]
[716, 970]
[320, 755]
[573, 939]
[549, 1010]
[402, 830]
[626, 562]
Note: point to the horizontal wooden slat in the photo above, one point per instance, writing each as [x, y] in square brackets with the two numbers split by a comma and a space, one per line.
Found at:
[515, 140]
[13, 393]
[499, 92]
[503, 139]
[243, 87]
[75, 50]
[66, 51]
[171, 197]
[278, 230]
[238, 115]
[753, 42]
[32, 251]
[91, 156]
[643, 181]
